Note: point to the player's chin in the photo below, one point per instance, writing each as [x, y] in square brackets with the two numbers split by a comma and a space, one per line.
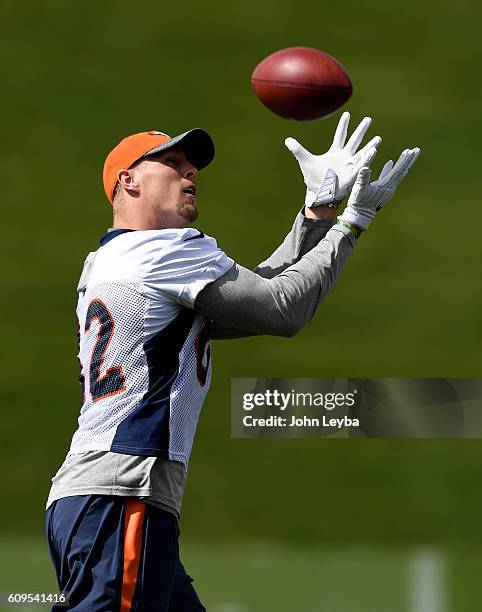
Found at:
[187, 209]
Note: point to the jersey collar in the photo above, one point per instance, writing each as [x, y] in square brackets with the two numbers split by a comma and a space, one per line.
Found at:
[112, 233]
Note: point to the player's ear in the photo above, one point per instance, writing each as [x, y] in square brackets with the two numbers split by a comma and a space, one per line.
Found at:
[129, 181]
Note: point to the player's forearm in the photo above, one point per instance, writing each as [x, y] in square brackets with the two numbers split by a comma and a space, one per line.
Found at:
[308, 229]
[310, 226]
[280, 306]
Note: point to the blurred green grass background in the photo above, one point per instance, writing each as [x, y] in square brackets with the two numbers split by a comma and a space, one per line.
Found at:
[237, 576]
[78, 76]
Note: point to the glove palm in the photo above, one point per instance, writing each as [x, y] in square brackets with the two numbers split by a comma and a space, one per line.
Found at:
[328, 177]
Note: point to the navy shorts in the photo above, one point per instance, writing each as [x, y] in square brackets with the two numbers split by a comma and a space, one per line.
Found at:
[116, 554]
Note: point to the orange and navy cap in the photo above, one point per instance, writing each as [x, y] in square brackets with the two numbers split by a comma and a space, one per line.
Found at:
[197, 144]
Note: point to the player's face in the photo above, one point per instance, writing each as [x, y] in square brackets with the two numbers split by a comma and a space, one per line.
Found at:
[168, 187]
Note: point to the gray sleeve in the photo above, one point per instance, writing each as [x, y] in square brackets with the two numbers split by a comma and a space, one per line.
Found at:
[281, 305]
[303, 236]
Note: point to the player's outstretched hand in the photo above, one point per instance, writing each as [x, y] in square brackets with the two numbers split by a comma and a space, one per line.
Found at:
[328, 177]
[367, 198]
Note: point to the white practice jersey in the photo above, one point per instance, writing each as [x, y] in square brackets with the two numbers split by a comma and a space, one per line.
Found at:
[144, 351]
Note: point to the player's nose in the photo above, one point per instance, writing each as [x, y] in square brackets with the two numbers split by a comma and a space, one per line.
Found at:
[191, 173]
[189, 170]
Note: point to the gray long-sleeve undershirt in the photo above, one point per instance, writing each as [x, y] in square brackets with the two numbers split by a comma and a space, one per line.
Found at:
[281, 295]
[302, 237]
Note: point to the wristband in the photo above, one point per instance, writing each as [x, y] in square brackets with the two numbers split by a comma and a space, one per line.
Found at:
[331, 204]
[356, 231]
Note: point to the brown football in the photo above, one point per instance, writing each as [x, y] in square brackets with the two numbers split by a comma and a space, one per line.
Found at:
[301, 83]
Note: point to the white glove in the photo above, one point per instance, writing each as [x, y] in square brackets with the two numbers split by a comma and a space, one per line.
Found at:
[367, 198]
[329, 177]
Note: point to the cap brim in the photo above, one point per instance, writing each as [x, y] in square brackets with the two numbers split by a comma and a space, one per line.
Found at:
[197, 144]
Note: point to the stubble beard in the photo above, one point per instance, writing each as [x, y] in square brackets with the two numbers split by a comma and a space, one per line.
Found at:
[187, 211]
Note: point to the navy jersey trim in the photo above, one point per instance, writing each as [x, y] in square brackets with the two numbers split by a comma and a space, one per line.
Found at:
[146, 430]
[108, 236]
[200, 235]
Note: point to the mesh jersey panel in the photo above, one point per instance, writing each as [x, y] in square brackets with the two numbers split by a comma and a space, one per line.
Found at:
[144, 353]
[190, 388]
[100, 416]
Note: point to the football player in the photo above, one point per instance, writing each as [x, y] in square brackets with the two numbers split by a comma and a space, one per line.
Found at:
[150, 299]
